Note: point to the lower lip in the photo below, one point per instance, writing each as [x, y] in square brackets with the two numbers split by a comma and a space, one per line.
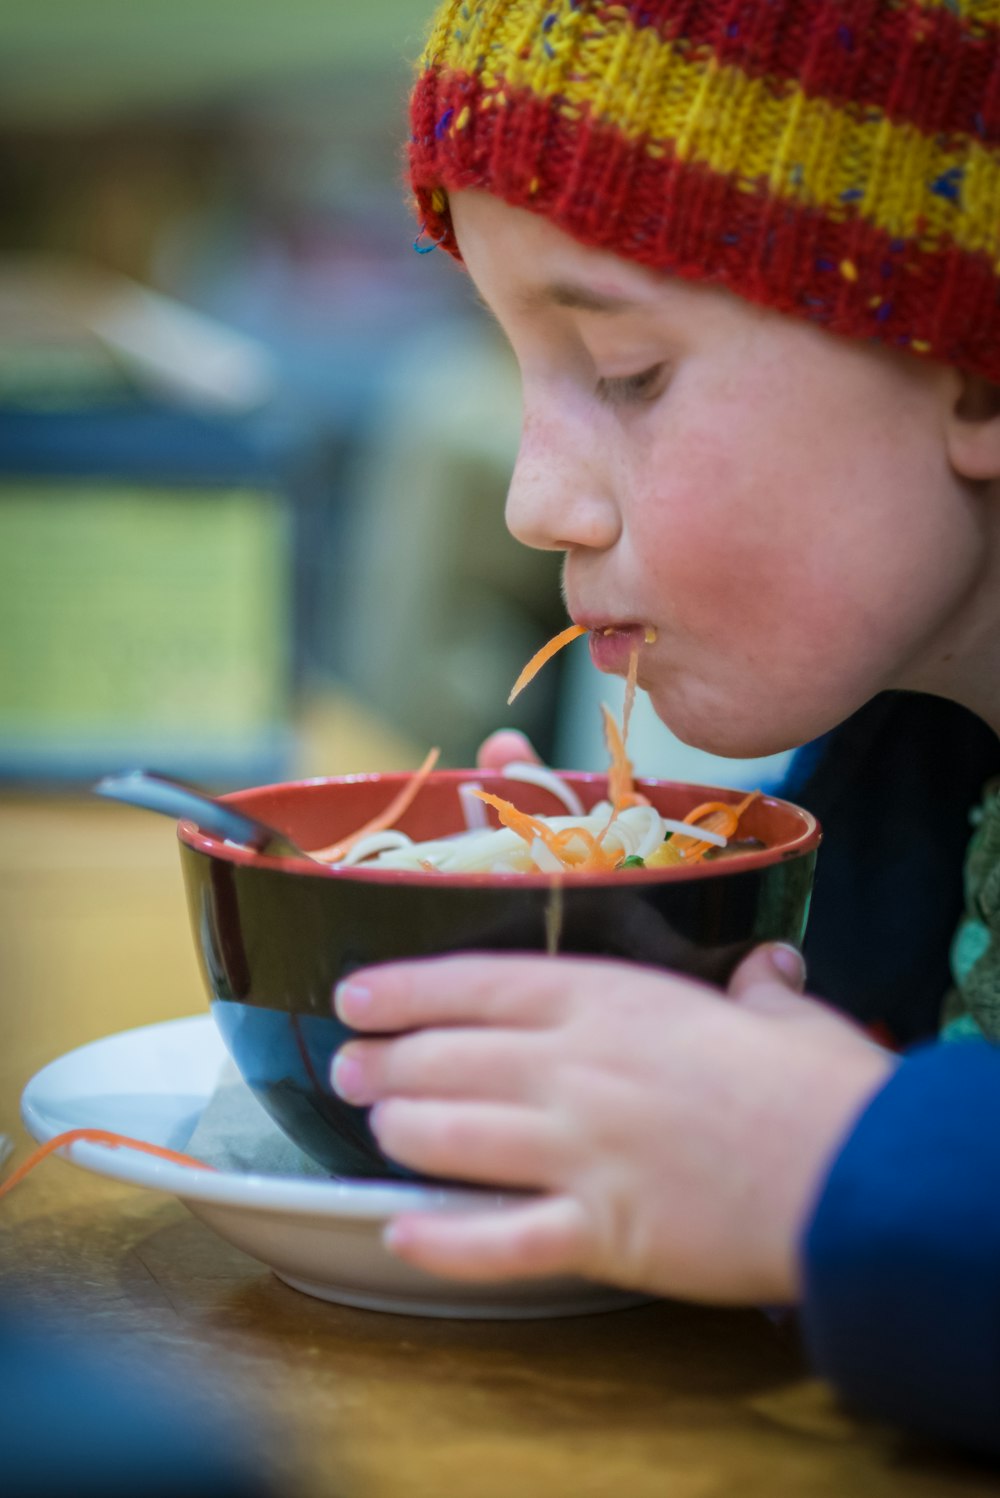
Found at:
[612, 652]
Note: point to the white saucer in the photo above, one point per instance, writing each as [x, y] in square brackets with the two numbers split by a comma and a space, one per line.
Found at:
[322, 1237]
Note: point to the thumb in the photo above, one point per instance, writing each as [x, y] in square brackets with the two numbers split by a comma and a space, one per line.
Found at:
[503, 748]
[769, 977]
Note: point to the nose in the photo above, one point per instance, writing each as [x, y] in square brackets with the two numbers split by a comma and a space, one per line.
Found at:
[560, 496]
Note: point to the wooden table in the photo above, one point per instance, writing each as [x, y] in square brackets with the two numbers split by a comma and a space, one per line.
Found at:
[662, 1400]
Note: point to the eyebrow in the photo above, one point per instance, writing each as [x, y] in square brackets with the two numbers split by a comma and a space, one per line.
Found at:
[576, 297]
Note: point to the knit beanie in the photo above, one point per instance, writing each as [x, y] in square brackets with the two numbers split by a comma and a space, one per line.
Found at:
[838, 160]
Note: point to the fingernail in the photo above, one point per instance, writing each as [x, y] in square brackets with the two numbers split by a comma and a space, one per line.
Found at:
[351, 1001]
[347, 1078]
[789, 962]
[395, 1236]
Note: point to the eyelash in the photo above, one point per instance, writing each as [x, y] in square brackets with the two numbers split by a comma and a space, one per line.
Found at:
[631, 389]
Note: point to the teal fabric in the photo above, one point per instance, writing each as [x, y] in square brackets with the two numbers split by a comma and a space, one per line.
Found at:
[972, 1009]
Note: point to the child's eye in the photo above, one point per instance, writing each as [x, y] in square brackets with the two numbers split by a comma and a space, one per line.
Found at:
[625, 389]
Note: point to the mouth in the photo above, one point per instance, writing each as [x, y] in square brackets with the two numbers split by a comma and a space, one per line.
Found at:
[613, 643]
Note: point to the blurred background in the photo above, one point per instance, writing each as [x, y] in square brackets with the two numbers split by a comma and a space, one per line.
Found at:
[253, 448]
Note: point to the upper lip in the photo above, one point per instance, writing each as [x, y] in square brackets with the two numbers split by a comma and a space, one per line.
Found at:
[598, 623]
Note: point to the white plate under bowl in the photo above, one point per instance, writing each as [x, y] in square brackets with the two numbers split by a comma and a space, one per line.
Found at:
[322, 1237]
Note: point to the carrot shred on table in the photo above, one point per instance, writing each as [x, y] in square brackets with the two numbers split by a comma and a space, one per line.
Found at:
[98, 1136]
[538, 660]
[397, 806]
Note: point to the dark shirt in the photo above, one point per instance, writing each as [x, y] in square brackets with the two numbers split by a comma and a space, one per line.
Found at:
[901, 1258]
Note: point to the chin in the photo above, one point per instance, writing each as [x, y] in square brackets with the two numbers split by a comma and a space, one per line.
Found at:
[719, 734]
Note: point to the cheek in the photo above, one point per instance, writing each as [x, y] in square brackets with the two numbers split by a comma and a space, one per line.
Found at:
[728, 535]
[786, 543]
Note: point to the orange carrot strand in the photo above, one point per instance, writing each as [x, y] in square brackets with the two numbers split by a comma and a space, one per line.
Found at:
[621, 788]
[97, 1136]
[631, 681]
[717, 816]
[538, 660]
[526, 827]
[397, 806]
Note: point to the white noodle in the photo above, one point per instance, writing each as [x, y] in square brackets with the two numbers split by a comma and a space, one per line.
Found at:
[622, 834]
[473, 810]
[688, 829]
[545, 858]
[376, 842]
[653, 836]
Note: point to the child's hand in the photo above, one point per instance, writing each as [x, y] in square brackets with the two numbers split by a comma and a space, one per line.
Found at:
[677, 1136]
[503, 747]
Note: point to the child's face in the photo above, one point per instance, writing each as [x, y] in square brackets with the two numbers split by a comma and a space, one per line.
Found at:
[776, 502]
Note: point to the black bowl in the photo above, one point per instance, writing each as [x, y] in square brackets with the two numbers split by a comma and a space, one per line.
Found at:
[275, 935]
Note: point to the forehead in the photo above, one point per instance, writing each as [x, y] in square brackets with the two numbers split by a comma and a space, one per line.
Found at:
[530, 273]
[530, 259]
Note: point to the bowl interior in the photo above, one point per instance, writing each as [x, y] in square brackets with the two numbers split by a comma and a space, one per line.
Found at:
[315, 813]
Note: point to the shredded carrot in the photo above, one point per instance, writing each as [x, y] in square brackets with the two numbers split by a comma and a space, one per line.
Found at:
[631, 681]
[98, 1136]
[593, 856]
[546, 653]
[619, 770]
[621, 787]
[397, 806]
[598, 859]
[526, 827]
[716, 816]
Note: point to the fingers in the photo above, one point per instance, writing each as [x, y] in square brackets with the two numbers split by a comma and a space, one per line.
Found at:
[493, 1144]
[503, 747]
[441, 1063]
[487, 990]
[546, 1236]
[770, 979]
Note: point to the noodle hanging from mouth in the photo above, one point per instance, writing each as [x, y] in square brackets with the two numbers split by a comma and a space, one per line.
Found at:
[622, 831]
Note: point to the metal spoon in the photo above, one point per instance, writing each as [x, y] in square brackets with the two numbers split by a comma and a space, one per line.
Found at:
[187, 803]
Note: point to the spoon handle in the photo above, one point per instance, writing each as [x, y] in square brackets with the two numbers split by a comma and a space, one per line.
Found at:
[187, 803]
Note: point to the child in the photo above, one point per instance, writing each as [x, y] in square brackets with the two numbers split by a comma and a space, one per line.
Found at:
[748, 256]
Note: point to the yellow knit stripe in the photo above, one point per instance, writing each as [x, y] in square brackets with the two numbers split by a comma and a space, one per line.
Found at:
[837, 159]
[976, 15]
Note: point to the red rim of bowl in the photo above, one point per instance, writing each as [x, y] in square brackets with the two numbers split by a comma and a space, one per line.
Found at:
[807, 840]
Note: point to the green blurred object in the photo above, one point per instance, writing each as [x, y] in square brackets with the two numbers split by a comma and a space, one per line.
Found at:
[147, 536]
[142, 624]
[86, 60]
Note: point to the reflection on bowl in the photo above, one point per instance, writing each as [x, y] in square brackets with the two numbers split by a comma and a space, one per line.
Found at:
[274, 936]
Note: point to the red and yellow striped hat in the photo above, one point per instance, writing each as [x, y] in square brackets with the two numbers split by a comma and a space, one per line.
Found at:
[834, 159]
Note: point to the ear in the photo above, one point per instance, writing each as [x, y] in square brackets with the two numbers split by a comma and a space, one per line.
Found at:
[974, 428]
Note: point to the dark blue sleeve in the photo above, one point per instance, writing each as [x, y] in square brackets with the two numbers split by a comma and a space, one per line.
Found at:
[901, 1258]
